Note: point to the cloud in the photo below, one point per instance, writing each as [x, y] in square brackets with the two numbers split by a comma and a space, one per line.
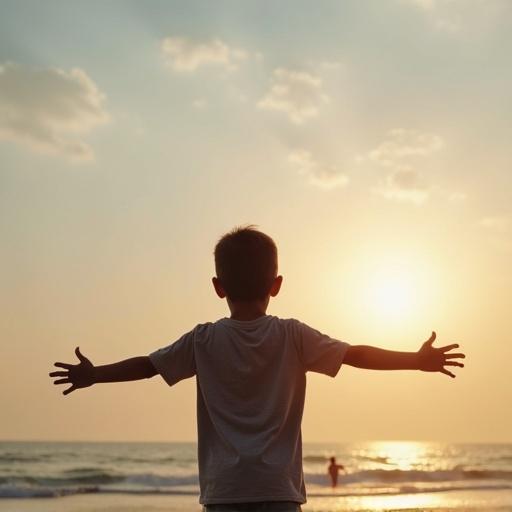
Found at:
[403, 143]
[296, 93]
[319, 174]
[44, 108]
[404, 184]
[185, 55]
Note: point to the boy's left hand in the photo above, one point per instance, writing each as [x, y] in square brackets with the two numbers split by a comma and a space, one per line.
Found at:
[432, 359]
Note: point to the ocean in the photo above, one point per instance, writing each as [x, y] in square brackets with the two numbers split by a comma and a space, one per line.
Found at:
[40, 476]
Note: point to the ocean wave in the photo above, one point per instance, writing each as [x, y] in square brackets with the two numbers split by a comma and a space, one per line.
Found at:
[52, 492]
[386, 476]
[95, 479]
[20, 491]
[380, 460]
[23, 457]
[406, 489]
[150, 460]
[100, 479]
[90, 476]
[325, 459]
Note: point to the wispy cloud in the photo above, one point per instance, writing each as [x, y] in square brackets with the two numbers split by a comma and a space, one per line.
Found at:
[186, 55]
[404, 184]
[297, 94]
[319, 174]
[396, 152]
[47, 109]
[402, 143]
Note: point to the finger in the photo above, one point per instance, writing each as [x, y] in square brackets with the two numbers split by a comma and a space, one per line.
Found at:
[69, 390]
[446, 372]
[454, 363]
[454, 356]
[432, 338]
[79, 355]
[63, 365]
[58, 374]
[449, 347]
[61, 381]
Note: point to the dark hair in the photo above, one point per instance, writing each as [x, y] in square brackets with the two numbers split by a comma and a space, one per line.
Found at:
[246, 263]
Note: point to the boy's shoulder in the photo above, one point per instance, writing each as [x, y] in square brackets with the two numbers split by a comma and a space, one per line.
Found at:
[286, 327]
[263, 320]
[289, 325]
[205, 327]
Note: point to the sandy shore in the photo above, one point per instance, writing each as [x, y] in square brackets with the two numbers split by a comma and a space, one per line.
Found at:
[458, 500]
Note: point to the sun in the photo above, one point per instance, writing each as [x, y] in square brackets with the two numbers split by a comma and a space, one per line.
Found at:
[395, 289]
[391, 292]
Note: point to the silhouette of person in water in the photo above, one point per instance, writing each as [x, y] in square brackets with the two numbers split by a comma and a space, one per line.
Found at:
[333, 470]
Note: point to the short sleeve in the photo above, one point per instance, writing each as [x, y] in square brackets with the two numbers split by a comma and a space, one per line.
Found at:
[176, 361]
[319, 352]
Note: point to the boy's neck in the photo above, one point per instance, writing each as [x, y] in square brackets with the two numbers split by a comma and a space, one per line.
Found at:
[246, 311]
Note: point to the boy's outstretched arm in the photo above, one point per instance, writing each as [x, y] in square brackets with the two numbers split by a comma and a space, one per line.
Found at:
[427, 359]
[85, 374]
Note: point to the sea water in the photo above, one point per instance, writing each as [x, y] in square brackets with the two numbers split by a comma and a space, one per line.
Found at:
[379, 475]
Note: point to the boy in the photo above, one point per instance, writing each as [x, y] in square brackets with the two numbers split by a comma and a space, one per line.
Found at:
[251, 379]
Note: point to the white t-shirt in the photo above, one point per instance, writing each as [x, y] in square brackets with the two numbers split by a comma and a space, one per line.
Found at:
[251, 383]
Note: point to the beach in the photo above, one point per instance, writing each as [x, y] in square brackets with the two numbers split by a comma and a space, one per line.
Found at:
[489, 501]
[132, 477]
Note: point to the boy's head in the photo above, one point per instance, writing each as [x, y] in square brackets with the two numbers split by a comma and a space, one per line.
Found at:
[246, 266]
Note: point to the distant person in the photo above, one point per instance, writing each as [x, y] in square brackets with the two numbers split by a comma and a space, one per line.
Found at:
[250, 371]
[333, 471]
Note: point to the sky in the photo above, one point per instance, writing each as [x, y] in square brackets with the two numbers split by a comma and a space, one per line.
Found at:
[370, 139]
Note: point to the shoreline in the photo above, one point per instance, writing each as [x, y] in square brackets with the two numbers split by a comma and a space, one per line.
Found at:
[488, 500]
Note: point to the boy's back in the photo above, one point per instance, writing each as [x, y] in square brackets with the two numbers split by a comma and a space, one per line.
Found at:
[251, 381]
[250, 398]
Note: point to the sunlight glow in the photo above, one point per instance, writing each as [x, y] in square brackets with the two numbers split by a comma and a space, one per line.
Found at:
[392, 292]
[395, 288]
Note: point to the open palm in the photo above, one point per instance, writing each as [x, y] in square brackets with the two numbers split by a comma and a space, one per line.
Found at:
[79, 375]
[433, 359]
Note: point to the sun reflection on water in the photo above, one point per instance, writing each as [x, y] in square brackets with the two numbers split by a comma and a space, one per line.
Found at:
[396, 502]
[412, 476]
[403, 455]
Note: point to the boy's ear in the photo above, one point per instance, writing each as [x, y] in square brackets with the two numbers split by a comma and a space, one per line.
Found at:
[218, 288]
[276, 286]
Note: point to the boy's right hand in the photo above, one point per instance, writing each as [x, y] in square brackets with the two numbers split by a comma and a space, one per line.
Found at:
[79, 375]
